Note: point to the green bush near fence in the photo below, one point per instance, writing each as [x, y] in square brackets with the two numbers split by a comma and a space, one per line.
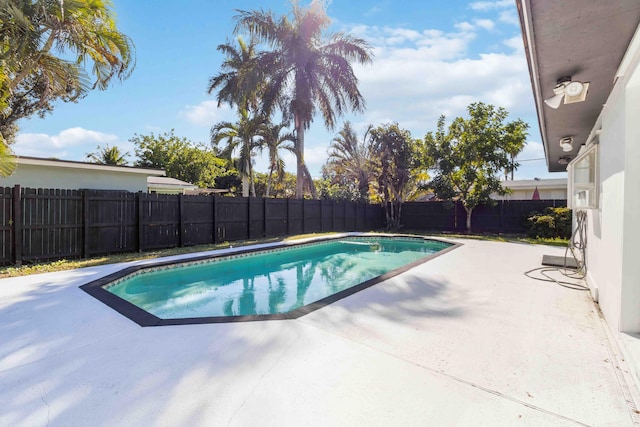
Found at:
[553, 222]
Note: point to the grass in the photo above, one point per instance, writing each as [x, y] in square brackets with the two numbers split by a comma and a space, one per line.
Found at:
[71, 264]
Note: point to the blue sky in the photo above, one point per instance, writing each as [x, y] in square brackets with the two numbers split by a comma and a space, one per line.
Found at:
[431, 58]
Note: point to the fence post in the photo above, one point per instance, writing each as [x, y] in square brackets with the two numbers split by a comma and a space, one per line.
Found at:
[304, 230]
[180, 220]
[248, 218]
[85, 223]
[264, 217]
[140, 224]
[17, 225]
[213, 219]
[288, 217]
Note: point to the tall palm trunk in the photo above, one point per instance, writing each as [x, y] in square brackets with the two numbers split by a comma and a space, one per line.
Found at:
[299, 150]
[302, 172]
[268, 191]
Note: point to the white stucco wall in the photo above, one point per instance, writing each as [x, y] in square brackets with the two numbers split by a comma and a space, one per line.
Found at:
[613, 254]
[38, 176]
[630, 293]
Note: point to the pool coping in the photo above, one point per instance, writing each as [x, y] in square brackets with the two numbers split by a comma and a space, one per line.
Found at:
[143, 318]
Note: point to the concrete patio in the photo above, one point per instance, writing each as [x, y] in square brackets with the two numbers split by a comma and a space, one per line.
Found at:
[464, 339]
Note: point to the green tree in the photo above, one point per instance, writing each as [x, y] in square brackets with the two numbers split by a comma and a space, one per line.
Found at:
[243, 136]
[349, 163]
[7, 161]
[179, 157]
[393, 146]
[108, 155]
[305, 71]
[471, 154]
[239, 80]
[274, 140]
[46, 45]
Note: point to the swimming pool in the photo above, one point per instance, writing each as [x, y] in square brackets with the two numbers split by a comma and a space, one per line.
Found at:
[260, 283]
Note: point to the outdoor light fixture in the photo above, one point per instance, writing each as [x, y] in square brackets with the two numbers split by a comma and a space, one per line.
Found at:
[566, 143]
[564, 160]
[567, 90]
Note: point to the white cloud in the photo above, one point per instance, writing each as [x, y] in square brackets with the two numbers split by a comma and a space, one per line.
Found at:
[72, 143]
[509, 17]
[487, 24]
[488, 5]
[464, 26]
[206, 113]
[434, 74]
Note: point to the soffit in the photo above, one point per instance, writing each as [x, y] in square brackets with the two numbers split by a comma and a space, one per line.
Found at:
[584, 39]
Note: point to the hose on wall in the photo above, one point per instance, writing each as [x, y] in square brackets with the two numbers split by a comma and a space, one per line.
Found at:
[576, 250]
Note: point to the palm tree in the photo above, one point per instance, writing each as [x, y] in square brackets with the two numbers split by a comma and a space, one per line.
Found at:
[239, 81]
[305, 73]
[242, 135]
[274, 141]
[108, 156]
[350, 160]
[79, 32]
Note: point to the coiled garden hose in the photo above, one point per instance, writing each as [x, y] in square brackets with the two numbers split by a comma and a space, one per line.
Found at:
[577, 247]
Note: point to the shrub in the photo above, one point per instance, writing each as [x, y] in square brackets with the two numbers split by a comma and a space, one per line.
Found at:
[553, 222]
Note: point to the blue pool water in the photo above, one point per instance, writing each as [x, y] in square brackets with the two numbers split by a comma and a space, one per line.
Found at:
[268, 282]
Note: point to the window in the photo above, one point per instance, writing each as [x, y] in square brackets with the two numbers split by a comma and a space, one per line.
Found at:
[583, 180]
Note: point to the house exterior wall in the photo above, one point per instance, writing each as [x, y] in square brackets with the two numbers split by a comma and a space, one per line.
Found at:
[613, 229]
[39, 176]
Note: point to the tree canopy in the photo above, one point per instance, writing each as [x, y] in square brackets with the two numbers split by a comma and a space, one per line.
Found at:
[180, 158]
[471, 153]
[305, 71]
[108, 155]
[45, 46]
[350, 161]
[394, 153]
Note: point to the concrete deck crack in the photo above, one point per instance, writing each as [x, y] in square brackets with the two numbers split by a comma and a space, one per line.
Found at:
[48, 406]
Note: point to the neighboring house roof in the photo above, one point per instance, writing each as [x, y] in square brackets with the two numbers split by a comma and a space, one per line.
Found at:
[540, 184]
[37, 161]
[584, 40]
[169, 183]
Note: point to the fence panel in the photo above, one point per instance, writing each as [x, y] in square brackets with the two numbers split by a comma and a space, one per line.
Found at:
[296, 216]
[112, 222]
[197, 220]
[506, 216]
[160, 221]
[51, 224]
[232, 219]
[256, 218]
[6, 225]
[350, 216]
[339, 210]
[54, 223]
[360, 216]
[276, 217]
[326, 222]
[312, 216]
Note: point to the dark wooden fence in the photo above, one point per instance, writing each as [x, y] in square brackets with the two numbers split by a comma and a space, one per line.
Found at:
[507, 216]
[43, 224]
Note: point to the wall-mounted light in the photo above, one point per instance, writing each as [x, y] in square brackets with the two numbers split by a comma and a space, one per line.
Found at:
[567, 90]
[564, 160]
[566, 143]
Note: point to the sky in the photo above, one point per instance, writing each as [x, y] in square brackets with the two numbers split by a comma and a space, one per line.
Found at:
[430, 58]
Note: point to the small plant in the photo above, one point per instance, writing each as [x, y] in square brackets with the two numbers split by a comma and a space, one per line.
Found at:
[553, 222]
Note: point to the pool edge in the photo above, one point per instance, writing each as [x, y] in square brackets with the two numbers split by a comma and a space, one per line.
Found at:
[144, 318]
